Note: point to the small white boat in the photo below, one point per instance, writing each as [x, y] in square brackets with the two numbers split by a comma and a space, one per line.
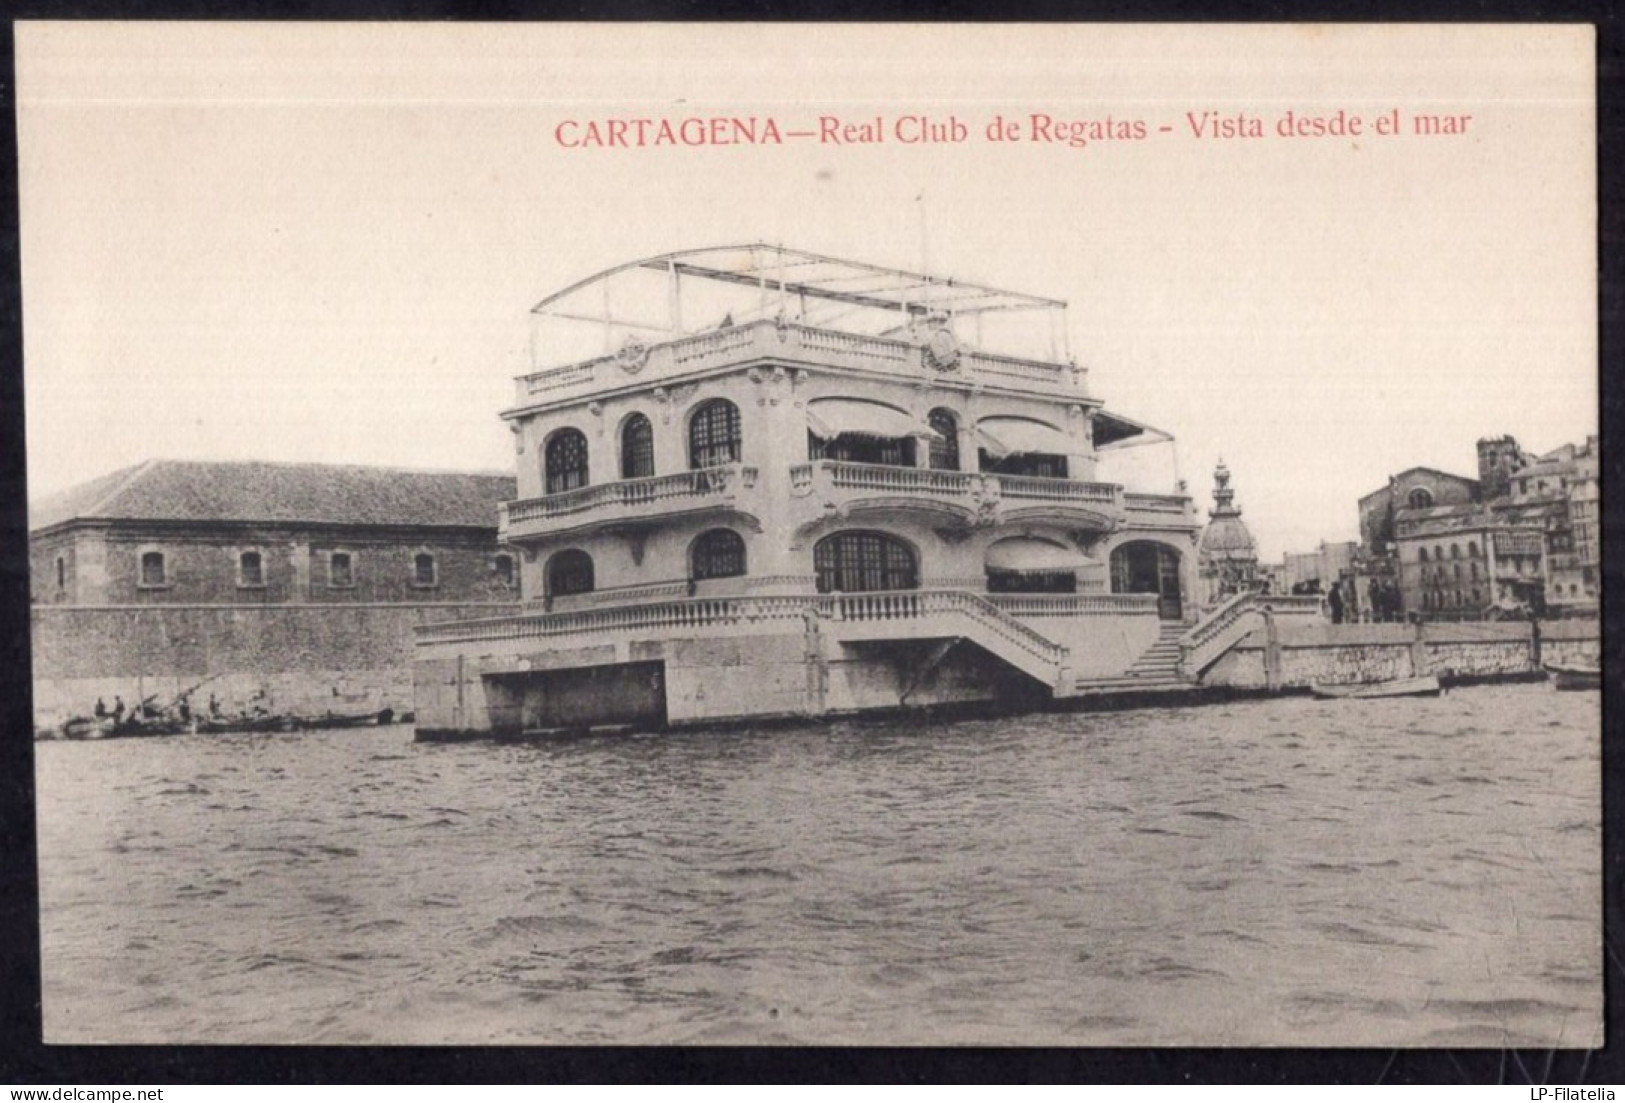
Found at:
[1426, 685]
[1575, 676]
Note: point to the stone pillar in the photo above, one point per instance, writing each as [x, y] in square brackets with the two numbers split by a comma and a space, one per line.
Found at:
[299, 560]
[1272, 652]
[89, 569]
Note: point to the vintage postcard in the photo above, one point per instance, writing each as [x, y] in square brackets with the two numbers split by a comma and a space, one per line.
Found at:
[781, 534]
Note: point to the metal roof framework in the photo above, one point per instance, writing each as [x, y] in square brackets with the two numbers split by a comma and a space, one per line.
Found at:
[771, 281]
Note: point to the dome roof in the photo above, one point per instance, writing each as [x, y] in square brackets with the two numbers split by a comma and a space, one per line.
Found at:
[1226, 536]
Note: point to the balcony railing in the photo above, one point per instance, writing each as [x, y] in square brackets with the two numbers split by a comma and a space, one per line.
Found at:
[1066, 490]
[845, 475]
[769, 341]
[1075, 605]
[628, 493]
[898, 614]
[1157, 503]
[870, 476]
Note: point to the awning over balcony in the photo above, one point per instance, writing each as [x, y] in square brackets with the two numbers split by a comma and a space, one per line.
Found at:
[829, 418]
[1117, 431]
[1003, 436]
[1026, 555]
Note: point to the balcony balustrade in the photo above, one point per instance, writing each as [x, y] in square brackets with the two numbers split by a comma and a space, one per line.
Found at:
[826, 484]
[628, 499]
[790, 345]
[838, 483]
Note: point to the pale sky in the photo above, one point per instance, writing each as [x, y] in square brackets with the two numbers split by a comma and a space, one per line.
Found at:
[322, 243]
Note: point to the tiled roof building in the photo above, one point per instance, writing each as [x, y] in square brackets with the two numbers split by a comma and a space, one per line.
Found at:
[186, 532]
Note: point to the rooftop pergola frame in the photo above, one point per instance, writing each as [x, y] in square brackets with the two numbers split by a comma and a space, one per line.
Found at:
[680, 294]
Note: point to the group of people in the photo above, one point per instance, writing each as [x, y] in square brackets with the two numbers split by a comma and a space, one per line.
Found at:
[182, 707]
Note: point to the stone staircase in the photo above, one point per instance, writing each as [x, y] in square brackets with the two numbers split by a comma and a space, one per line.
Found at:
[1156, 671]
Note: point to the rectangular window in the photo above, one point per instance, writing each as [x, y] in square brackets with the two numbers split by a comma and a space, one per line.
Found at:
[340, 570]
[503, 565]
[153, 572]
[423, 570]
[250, 569]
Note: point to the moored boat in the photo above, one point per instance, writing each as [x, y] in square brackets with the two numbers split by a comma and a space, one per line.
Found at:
[1573, 676]
[1426, 685]
[348, 720]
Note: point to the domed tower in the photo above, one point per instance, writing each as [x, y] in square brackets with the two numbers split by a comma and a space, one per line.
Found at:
[1227, 558]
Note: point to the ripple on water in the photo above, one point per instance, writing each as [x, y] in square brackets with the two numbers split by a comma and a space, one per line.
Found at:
[1068, 879]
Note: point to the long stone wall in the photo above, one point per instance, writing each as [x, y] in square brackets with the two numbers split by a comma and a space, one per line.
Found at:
[308, 659]
[1337, 653]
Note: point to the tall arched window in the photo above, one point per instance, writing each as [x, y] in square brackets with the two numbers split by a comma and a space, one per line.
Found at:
[569, 572]
[944, 452]
[637, 448]
[1455, 551]
[858, 562]
[1422, 555]
[713, 434]
[718, 553]
[1420, 498]
[1472, 549]
[566, 461]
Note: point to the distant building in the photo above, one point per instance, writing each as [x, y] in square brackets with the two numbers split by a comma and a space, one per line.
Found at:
[1523, 537]
[295, 586]
[1227, 558]
[195, 533]
[1413, 488]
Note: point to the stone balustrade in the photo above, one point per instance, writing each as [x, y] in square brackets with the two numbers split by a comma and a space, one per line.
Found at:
[627, 498]
[789, 343]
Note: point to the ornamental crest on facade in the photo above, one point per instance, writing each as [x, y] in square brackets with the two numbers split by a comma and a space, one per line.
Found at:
[632, 356]
[941, 348]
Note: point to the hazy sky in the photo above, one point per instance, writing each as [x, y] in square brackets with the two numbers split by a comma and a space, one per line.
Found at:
[293, 242]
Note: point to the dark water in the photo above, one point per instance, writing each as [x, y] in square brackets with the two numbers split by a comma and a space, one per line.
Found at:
[1273, 872]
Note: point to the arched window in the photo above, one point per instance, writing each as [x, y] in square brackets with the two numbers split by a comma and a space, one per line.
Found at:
[1472, 569]
[569, 572]
[1422, 554]
[718, 553]
[1472, 549]
[1419, 498]
[61, 573]
[566, 461]
[1455, 551]
[1146, 567]
[637, 448]
[1438, 552]
[857, 562]
[503, 566]
[1456, 569]
[713, 434]
[944, 452]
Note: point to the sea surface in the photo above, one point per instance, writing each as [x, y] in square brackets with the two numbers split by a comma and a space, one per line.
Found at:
[1272, 872]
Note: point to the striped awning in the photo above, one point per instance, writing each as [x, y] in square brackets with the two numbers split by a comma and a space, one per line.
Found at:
[1027, 555]
[829, 418]
[1003, 436]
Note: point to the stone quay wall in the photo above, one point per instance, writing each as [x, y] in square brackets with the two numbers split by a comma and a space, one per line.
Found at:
[308, 659]
[1301, 654]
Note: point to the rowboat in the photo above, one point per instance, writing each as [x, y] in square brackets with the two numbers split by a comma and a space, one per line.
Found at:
[1426, 685]
[1575, 676]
